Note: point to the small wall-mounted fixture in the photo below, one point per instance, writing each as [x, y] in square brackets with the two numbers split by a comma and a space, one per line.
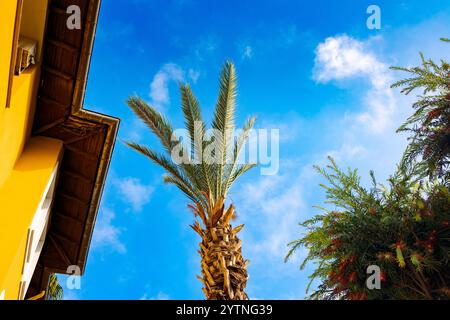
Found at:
[26, 54]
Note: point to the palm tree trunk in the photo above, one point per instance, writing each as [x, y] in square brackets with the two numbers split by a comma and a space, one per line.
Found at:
[224, 270]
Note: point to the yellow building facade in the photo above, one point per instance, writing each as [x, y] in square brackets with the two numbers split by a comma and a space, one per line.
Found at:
[54, 155]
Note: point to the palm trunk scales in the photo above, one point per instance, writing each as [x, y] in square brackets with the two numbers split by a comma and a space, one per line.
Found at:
[224, 270]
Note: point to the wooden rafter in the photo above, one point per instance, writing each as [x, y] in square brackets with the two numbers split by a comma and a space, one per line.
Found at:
[57, 73]
[64, 238]
[62, 253]
[84, 137]
[78, 176]
[59, 214]
[81, 152]
[76, 199]
[61, 44]
[57, 10]
[53, 101]
[49, 126]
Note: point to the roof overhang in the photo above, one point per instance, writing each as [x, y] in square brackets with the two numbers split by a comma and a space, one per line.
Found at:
[88, 138]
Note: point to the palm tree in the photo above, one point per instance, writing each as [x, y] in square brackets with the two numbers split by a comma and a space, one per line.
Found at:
[205, 178]
[54, 289]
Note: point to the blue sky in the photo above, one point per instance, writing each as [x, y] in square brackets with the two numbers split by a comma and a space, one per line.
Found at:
[312, 69]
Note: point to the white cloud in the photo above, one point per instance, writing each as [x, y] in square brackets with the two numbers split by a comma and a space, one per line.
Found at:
[278, 203]
[264, 201]
[289, 125]
[133, 130]
[106, 235]
[193, 75]
[247, 52]
[159, 87]
[364, 138]
[347, 151]
[342, 57]
[272, 207]
[133, 192]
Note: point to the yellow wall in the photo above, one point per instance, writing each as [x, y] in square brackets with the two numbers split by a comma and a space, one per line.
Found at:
[33, 21]
[15, 121]
[19, 200]
[26, 164]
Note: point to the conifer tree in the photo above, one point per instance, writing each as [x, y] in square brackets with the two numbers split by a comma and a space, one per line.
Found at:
[430, 124]
[402, 228]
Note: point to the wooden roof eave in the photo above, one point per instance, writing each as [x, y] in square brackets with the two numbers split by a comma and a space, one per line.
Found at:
[111, 122]
[87, 123]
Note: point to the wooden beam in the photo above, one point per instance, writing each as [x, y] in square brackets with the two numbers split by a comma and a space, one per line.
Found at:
[77, 176]
[62, 253]
[81, 152]
[53, 101]
[59, 214]
[62, 44]
[58, 73]
[86, 136]
[67, 196]
[64, 238]
[49, 126]
[57, 10]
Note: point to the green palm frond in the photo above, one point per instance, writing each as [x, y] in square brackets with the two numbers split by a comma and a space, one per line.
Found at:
[192, 116]
[239, 143]
[196, 128]
[154, 120]
[224, 120]
[243, 168]
[159, 159]
[225, 107]
[201, 179]
[182, 186]
[188, 188]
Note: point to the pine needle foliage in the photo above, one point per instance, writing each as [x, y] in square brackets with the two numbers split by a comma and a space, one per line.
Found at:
[403, 228]
[430, 124]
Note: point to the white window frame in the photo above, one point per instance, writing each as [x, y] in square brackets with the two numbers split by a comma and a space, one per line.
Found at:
[37, 233]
